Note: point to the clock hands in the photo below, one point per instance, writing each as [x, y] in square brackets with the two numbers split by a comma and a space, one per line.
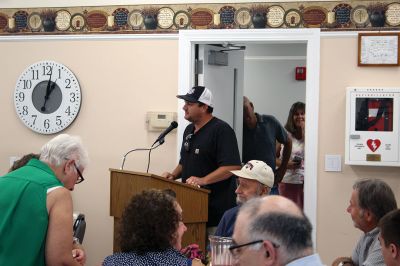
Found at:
[49, 89]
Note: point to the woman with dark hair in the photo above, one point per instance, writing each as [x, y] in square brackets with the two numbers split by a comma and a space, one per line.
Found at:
[151, 232]
[292, 185]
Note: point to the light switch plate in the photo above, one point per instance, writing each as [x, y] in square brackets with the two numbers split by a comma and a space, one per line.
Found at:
[333, 163]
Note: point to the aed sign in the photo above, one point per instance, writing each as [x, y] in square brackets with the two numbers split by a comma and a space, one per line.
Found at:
[372, 126]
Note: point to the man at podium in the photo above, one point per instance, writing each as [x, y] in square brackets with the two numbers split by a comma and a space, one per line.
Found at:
[209, 152]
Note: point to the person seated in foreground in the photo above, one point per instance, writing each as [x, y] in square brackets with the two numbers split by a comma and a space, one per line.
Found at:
[273, 231]
[390, 237]
[151, 232]
[255, 179]
[370, 200]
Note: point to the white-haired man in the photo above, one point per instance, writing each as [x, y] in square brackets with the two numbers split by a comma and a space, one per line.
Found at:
[255, 179]
[36, 206]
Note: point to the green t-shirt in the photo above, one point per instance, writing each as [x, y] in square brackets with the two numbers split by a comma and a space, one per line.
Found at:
[23, 214]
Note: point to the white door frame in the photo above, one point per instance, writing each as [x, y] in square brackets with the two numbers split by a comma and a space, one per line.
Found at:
[187, 40]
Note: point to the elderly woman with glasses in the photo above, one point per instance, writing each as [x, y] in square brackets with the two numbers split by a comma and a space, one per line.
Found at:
[151, 232]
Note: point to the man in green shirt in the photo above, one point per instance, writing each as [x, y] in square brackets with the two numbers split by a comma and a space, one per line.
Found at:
[36, 206]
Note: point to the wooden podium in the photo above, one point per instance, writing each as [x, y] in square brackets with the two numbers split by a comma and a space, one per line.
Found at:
[193, 200]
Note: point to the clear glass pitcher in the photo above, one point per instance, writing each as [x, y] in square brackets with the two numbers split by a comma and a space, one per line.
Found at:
[220, 254]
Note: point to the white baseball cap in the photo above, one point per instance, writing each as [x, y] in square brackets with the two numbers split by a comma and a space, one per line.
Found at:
[257, 170]
[198, 94]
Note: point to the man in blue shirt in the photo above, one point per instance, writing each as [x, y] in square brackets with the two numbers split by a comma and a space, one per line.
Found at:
[260, 135]
[255, 179]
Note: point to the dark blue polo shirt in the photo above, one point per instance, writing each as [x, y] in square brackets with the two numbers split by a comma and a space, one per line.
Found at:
[259, 143]
[227, 223]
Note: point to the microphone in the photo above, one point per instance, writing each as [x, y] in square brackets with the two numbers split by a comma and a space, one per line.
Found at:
[160, 138]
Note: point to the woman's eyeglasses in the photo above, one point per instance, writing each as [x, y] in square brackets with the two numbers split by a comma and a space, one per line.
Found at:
[186, 144]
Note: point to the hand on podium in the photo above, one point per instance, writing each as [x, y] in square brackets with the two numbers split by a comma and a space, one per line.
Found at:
[168, 175]
[195, 181]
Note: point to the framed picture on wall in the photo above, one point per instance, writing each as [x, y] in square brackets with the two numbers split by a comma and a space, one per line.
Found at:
[378, 49]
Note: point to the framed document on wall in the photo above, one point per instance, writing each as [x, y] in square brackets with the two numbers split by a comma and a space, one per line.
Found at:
[378, 49]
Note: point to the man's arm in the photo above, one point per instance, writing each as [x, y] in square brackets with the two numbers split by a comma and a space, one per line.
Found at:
[287, 150]
[59, 231]
[176, 173]
[219, 174]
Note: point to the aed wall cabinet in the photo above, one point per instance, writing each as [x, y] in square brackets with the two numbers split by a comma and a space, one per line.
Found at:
[372, 126]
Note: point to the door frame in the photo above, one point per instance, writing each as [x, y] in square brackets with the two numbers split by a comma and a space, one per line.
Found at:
[187, 40]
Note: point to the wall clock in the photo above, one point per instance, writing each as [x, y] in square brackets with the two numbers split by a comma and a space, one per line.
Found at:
[47, 97]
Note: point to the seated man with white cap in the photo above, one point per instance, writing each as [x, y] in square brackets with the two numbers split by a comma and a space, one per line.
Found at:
[255, 179]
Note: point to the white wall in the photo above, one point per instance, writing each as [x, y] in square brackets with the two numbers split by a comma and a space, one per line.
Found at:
[270, 77]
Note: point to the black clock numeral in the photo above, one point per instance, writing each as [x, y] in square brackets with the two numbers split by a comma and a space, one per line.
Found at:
[47, 70]
[34, 119]
[68, 111]
[35, 74]
[58, 120]
[73, 97]
[25, 110]
[46, 123]
[27, 84]
[21, 96]
[59, 73]
[68, 82]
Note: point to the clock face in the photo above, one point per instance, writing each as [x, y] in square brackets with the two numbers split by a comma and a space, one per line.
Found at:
[47, 97]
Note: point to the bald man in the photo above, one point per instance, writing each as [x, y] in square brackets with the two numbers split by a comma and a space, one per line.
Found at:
[273, 231]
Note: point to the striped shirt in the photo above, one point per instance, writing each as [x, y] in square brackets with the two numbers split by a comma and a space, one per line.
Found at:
[368, 250]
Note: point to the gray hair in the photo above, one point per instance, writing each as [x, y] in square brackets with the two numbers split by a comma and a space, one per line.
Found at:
[376, 196]
[291, 232]
[64, 147]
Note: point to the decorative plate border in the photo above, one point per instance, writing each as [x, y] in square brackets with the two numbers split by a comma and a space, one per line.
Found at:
[353, 14]
[294, 24]
[78, 17]
[185, 16]
[279, 20]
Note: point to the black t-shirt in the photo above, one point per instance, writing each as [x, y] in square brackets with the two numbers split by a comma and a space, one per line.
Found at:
[214, 145]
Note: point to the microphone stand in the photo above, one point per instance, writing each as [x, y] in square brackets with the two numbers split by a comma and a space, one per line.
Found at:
[141, 149]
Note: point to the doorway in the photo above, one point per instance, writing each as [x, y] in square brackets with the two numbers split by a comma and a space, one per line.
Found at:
[311, 37]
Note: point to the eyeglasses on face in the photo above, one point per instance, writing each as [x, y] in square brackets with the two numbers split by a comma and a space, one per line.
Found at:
[236, 249]
[186, 144]
[80, 176]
